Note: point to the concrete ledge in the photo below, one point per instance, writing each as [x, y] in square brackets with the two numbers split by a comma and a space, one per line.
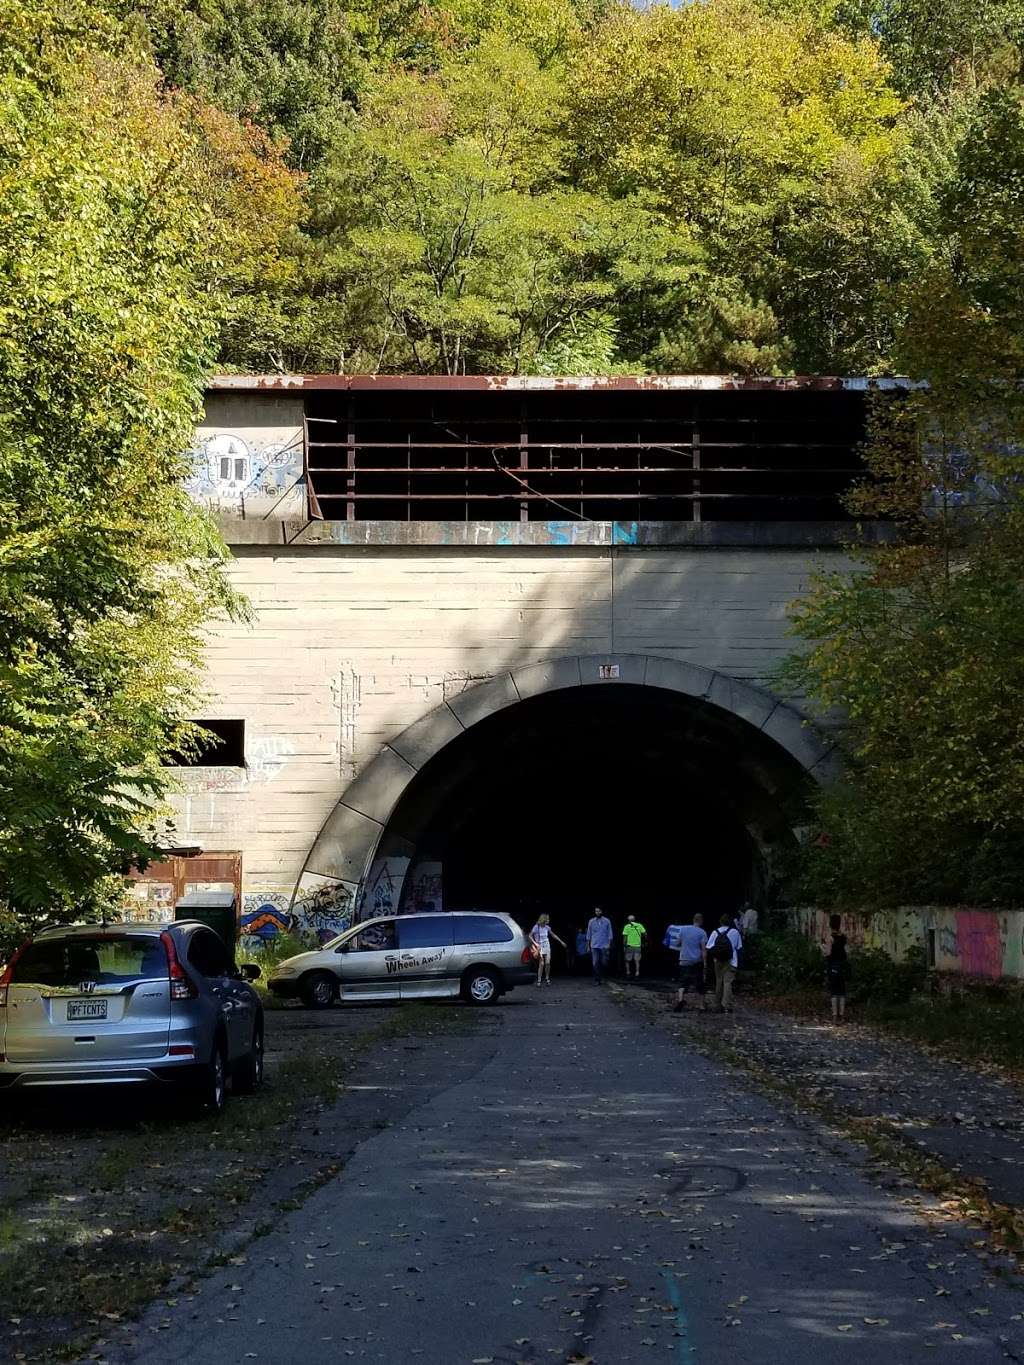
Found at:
[741, 699]
[482, 700]
[380, 784]
[691, 679]
[535, 679]
[632, 668]
[427, 736]
[791, 732]
[302, 533]
[344, 845]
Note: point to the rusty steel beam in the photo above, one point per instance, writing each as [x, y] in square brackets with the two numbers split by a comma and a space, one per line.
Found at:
[511, 383]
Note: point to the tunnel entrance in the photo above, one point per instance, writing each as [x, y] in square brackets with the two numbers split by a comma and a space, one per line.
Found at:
[634, 798]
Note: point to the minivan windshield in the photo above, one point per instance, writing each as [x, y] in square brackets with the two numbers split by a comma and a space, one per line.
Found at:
[109, 959]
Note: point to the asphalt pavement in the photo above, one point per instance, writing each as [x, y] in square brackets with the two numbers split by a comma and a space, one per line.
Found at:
[592, 1191]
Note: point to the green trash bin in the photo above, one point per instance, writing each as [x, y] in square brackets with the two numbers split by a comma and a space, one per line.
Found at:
[218, 909]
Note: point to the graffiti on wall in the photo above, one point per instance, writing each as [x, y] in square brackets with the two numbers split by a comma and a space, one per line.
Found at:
[425, 889]
[382, 890]
[265, 914]
[250, 475]
[979, 943]
[322, 907]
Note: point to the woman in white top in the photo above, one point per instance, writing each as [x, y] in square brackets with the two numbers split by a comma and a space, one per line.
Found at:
[540, 936]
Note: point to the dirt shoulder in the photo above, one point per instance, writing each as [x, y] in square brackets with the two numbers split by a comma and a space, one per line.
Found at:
[112, 1203]
[954, 1128]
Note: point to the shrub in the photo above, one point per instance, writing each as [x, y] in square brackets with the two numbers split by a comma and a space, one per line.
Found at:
[876, 976]
[785, 961]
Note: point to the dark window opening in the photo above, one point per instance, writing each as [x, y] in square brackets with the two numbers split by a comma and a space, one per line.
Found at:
[584, 455]
[428, 931]
[222, 746]
[482, 929]
[207, 954]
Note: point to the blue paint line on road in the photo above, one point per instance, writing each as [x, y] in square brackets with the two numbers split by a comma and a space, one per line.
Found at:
[685, 1349]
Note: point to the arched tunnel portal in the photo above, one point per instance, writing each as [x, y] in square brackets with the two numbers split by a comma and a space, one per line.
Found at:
[671, 790]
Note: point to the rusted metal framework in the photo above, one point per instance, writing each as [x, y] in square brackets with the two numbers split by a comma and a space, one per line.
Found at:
[660, 449]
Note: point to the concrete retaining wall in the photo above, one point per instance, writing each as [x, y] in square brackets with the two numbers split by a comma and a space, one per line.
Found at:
[988, 944]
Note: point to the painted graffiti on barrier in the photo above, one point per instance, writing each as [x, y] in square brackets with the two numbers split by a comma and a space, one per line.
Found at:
[425, 889]
[265, 914]
[382, 891]
[979, 942]
[247, 475]
[322, 907]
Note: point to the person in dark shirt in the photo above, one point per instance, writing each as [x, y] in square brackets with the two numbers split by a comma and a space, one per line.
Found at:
[837, 967]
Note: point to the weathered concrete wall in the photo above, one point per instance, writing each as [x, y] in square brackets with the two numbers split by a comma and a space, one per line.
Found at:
[351, 645]
[977, 943]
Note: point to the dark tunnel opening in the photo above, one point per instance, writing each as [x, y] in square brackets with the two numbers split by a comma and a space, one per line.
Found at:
[642, 801]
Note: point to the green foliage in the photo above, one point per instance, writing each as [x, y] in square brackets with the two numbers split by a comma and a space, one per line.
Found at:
[119, 234]
[294, 67]
[788, 962]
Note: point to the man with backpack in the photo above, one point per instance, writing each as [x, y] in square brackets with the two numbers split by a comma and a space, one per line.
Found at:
[723, 950]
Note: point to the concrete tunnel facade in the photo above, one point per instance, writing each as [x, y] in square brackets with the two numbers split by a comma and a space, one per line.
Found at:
[492, 614]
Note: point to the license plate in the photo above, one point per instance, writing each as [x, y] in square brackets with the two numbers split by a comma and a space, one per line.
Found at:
[87, 1009]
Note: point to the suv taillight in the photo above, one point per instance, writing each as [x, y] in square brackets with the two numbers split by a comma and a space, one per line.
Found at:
[181, 987]
[5, 979]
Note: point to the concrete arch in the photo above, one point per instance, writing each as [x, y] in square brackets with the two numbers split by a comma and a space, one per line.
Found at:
[345, 847]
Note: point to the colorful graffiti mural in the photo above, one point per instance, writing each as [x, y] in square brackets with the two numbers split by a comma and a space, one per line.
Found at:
[248, 474]
[382, 890]
[265, 914]
[322, 907]
[988, 944]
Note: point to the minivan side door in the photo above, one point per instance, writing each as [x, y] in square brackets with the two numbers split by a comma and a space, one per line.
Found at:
[369, 963]
[425, 956]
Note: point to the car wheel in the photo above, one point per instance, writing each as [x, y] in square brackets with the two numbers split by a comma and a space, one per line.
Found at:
[318, 990]
[248, 1076]
[480, 986]
[212, 1091]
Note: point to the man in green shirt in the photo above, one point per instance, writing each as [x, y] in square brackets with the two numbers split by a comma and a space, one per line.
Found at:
[634, 936]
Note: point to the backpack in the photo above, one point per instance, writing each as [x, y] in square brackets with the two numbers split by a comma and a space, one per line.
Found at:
[722, 948]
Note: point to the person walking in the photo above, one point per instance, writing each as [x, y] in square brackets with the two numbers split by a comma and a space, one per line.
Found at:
[723, 949]
[634, 939]
[599, 942]
[693, 962]
[748, 920]
[837, 968]
[582, 949]
[540, 936]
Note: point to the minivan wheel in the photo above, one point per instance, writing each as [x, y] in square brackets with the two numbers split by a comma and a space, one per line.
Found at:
[248, 1075]
[211, 1092]
[318, 990]
[480, 986]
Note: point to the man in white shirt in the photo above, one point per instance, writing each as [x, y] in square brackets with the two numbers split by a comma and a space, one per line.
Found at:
[723, 949]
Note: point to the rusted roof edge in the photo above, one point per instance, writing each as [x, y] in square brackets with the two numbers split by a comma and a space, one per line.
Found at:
[290, 383]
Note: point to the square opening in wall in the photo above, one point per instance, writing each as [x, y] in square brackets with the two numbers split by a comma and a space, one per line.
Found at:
[223, 746]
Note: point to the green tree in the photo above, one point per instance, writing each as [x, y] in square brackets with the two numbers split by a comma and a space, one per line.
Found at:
[773, 140]
[442, 234]
[119, 232]
[294, 67]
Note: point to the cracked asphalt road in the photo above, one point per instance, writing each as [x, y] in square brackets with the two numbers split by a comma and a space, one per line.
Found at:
[596, 1192]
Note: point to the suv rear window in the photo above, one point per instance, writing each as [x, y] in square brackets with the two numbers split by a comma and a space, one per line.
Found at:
[110, 960]
[482, 929]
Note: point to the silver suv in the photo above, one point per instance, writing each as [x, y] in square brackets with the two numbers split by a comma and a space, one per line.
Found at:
[130, 1003]
[412, 957]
